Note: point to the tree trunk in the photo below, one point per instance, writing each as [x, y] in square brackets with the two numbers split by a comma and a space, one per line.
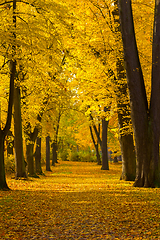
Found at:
[105, 165]
[126, 144]
[30, 161]
[54, 153]
[3, 183]
[97, 154]
[97, 132]
[124, 118]
[55, 142]
[128, 158]
[3, 133]
[155, 100]
[30, 141]
[10, 143]
[38, 157]
[18, 141]
[96, 146]
[48, 154]
[146, 122]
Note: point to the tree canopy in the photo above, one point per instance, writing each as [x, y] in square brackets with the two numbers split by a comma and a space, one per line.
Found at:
[66, 58]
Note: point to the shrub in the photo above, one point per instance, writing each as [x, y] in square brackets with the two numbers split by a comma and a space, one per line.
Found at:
[63, 156]
[82, 156]
[87, 156]
[74, 156]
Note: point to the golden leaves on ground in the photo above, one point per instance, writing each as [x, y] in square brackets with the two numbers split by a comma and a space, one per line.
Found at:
[79, 201]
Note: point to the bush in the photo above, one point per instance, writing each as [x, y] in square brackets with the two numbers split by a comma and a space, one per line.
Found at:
[87, 156]
[74, 156]
[80, 156]
[64, 156]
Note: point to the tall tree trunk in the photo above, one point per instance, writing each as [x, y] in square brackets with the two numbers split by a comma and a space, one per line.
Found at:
[97, 132]
[29, 154]
[126, 140]
[30, 141]
[54, 153]
[126, 144]
[48, 154]
[3, 183]
[98, 154]
[10, 143]
[18, 141]
[146, 122]
[3, 133]
[124, 118]
[128, 158]
[103, 142]
[96, 146]
[38, 156]
[155, 99]
[105, 165]
[55, 142]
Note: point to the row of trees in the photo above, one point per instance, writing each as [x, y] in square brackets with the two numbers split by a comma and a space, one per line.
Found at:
[60, 57]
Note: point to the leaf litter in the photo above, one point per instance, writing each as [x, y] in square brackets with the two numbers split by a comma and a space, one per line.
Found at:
[79, 201]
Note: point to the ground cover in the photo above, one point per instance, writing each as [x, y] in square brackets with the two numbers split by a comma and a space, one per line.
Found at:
[79, 201]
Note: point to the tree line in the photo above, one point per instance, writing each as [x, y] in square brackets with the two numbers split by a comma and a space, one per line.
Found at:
[60, 57]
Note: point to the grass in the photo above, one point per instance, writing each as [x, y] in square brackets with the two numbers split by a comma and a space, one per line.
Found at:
[79, 201]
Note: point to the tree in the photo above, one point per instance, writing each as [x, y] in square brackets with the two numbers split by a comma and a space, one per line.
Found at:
[48, 153]
[4, 131]
[105, 122]
[102, 39]
[123, 107]
[38, 157]
[31, 137]
[145, 115]
[96, 145]
[18, 140]
[54, 144]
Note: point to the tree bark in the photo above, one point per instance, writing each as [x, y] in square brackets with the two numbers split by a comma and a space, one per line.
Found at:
[10, 143]
[3, 183]
[97, 132]
[128, 158]
[54, 153]
[18, 140]
[155, 99]
[146, 122]
[29, 154]
[55, 142]
[3, 133]
[38, 157]
[103, 142]
[124, 118]
[30, 141]
[96, 147]
[105, 165]
[48, 154]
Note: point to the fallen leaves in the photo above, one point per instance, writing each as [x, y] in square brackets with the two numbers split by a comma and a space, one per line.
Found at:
[79, 201]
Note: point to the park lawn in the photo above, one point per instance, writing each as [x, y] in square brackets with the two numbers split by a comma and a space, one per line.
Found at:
[79, 201]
